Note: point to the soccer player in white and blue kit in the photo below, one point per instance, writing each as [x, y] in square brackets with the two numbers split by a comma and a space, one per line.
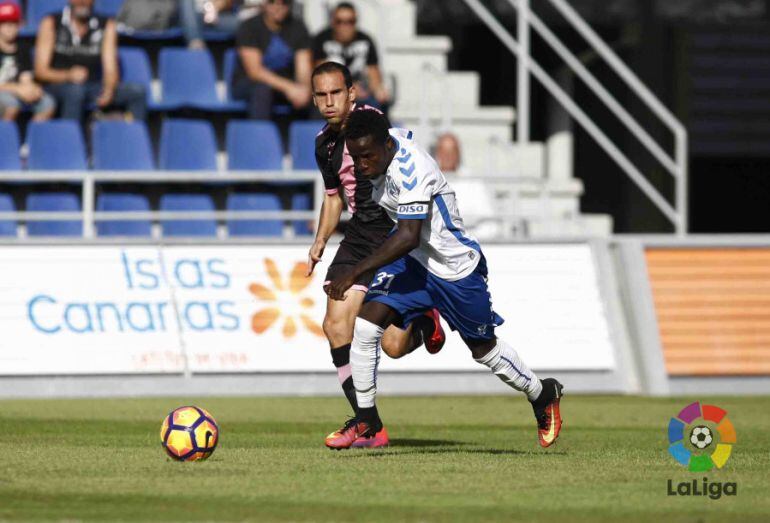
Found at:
[428, 261]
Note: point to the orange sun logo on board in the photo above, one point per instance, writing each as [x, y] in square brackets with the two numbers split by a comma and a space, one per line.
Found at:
[285, 300]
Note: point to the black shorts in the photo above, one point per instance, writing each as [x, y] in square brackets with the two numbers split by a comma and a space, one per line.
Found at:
[361, 239]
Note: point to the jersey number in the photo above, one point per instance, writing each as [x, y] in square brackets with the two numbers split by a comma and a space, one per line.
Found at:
[381, 277]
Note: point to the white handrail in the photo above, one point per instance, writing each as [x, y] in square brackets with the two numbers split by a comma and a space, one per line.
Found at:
[623, 115]
[619, 66]
[522, 76]
[576, 112]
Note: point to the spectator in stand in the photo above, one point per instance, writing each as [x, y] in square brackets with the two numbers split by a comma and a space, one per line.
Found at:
[18, 89]
[447, 154]
[345, 44]
[76, 55]
[275, 64]
[197, 15]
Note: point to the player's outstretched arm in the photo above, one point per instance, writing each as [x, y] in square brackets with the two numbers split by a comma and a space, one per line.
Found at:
[331, 210]
[405, 239]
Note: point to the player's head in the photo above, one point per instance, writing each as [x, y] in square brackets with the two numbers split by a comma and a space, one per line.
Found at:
[82, 9]
[333, 92]
[10, 18]
[276, 11]
[344, 22]
[369, 142]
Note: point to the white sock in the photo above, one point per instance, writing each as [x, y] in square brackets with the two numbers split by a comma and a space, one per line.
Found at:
[505, 362]
[364, 359]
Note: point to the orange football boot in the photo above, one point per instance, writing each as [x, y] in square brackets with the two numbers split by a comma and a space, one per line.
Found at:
[352, 430]
[547, 412]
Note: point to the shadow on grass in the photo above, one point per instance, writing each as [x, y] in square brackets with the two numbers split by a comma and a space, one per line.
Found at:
[414, 442]
[400, 446]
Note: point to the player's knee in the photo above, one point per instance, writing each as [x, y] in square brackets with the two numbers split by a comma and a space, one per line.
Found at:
[339, 331]
[366, 335]
[480, 348]
[393, 349]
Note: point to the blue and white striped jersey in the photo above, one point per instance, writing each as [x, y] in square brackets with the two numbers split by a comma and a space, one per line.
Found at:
[415, 188]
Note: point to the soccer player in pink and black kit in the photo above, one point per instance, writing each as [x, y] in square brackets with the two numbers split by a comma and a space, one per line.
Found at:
[335, 97]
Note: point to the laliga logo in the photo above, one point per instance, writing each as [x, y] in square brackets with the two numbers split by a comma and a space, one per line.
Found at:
[701, 422]
[693, 443]
[285, 300]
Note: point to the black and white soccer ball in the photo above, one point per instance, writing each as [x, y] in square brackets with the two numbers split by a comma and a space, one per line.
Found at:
[701, 437]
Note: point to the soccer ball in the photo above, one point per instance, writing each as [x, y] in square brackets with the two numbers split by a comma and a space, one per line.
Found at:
[189, 434]
[701, 437]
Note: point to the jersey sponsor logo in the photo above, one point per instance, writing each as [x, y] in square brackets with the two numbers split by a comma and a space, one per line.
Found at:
[413, 208]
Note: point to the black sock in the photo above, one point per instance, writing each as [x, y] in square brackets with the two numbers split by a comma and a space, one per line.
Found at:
[371, 417]
[341, 358]
[350, 393]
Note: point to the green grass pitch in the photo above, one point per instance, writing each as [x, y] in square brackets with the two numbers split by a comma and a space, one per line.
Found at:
[451, 459]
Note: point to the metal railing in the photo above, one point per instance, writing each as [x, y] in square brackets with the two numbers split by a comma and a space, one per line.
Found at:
[88, 180]
[675, 165]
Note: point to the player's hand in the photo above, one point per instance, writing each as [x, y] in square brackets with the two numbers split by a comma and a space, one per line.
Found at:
[336, 289]
[298, 95]
[315, 254]
[105, 98]
[77, 74]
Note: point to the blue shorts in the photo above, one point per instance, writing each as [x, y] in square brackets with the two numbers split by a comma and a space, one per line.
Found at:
[410, 289]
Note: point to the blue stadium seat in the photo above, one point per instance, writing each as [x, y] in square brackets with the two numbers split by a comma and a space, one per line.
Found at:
[109, 8]
[121, 146]
[254, 202]
[189, 79]
[36, 10]
[302, 202]
[7, 227]
[188, 202]
[187, 145]
[53, 202]
[135, 68]
[302, 143]
[116, 202]
[56, 146]
[229, 61]
[253, 145]
[9, 147]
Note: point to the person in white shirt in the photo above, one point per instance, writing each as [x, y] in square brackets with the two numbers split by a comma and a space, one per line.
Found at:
[428, 261]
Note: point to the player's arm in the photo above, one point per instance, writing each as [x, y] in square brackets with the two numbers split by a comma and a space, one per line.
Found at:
[331, 211]
[404, 240]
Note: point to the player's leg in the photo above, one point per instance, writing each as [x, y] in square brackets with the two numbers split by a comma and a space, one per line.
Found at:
[424, 330]
[338, 327]
[467, 306]
[366, 429]
[399, 298]
[544, 395]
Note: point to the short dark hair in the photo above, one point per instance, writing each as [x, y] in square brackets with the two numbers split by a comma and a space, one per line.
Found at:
[333, 67]
[345, 5]
[367, 122]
